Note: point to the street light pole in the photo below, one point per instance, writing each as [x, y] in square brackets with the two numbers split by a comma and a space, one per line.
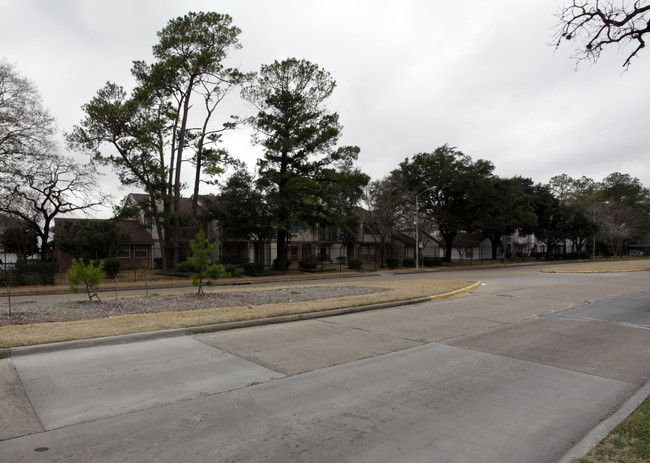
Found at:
[417, 237]
[593, 244]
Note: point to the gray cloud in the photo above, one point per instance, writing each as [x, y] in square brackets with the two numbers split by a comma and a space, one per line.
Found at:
[411, 75]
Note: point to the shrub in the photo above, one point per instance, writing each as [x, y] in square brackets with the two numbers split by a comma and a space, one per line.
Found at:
[89, 274]
[111, 266]
[582, 255]
[230, 269]
[252, 268]
[308, 264]
[33, 272]
[355, 264]
[431, 261]
[408, 262]
[392, 262]
[277, 265]
[186, 267]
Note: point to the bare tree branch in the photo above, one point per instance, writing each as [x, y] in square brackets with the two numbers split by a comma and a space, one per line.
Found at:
[46, 189]
[596, 24]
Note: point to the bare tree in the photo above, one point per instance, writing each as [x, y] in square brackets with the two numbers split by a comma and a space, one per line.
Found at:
[596, 24]
[25, 125]
[385, 200]
[43, 190]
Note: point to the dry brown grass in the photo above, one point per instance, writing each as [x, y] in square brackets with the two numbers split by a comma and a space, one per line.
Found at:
[603, 266]
[26, 335]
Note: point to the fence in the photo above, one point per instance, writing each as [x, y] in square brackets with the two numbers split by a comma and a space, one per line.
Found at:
[30, 272]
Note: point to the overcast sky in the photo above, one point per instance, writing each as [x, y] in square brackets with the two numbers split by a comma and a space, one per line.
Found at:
[411, 75]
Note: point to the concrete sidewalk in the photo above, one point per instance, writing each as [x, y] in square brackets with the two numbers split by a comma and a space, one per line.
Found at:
[428, 402]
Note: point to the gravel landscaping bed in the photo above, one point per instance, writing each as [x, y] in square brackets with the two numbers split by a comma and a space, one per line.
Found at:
[60, 311]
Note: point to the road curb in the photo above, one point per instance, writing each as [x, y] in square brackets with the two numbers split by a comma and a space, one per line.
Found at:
[604, 428]
[595, 271]
[152, 335]
[301, 316]
[94, 342]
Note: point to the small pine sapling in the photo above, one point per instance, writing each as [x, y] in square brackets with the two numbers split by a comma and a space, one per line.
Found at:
[200, 260]
[90, 274]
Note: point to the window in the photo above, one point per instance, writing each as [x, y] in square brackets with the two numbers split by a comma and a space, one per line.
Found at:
[368, 253]
[141, 250]
[326, 233]
[124, 252]
[294, 253]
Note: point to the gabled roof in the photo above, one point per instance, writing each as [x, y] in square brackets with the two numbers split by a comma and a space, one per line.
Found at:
[467, 240]
[399, 236]
[137, 234]
[185, 204]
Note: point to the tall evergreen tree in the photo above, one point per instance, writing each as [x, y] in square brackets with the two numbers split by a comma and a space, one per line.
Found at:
[299, 138]
[151, 131]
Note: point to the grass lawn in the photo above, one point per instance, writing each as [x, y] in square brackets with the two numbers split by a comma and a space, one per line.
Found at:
[629, 442]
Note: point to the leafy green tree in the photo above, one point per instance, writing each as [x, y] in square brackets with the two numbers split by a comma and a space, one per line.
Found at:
[579, 198]
[552, 216]
[347, 190]
[91, 239]
[580, 226]
[161, 125]
[505, 208]
[451, 188]
[242, 210]
[624, 209]
[579, 192]
[89, 274]
[17, 236]
[299, 138]
[200, 261]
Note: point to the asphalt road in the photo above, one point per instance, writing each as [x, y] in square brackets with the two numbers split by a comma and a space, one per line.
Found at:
[517, 370]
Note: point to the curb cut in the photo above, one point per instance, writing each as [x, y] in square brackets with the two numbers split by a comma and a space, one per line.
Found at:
[601, 431]
[152, 335]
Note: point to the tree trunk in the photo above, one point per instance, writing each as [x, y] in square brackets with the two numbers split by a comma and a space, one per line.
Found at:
[382, 251]
[178, 181]
[494, 244]
[448, 235]
[282, 249]
[44, 237]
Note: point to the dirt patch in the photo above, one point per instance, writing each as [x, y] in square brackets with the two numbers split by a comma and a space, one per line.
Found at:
[64, 311]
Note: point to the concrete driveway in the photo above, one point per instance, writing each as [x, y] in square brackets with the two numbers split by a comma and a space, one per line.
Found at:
[518, 370]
